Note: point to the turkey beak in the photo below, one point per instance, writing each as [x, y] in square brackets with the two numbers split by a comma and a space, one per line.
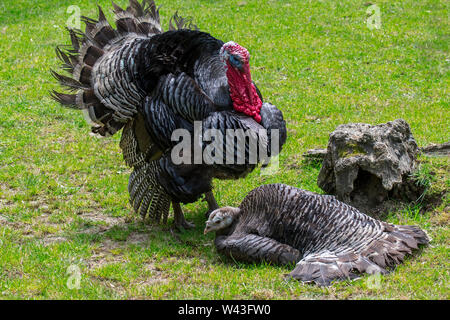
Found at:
[206, 229]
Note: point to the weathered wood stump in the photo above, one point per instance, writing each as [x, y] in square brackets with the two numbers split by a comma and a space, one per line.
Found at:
[437, 150]
[365, 165]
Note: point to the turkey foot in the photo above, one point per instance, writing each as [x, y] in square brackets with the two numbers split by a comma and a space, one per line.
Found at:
[212, 203]
[180, 222]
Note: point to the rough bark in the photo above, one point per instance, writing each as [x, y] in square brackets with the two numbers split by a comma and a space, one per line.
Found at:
[365, 164]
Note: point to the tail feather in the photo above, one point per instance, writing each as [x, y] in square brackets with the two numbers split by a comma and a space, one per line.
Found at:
[87, 48]
[147, 16]
[147, 196]
[99, 31]
[125, 22]
[139, 18]
[65, 99]
[379, 256]
[83, 73]
[68, 57]
[130, 148]
[76, 37]
[181, 23]
[70, 83]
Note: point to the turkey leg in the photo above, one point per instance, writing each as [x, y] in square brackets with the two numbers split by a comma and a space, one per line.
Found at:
[179, 220]
[212, 203]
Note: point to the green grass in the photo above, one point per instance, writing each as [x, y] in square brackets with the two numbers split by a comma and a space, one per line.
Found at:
[63, 193]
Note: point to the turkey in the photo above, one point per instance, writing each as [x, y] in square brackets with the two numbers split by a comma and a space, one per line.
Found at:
[327, 239]
[151, 84]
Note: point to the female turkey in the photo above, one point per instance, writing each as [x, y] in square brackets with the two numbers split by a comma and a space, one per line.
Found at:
[327, 239]
[150, 83]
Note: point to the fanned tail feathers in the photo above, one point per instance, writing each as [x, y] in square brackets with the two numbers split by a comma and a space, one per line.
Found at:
[378, 257]
[87, 47]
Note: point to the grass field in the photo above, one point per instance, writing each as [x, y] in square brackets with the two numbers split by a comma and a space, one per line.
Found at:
[64, 206]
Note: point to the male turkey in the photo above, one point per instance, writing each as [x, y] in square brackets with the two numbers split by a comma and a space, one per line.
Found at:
[150, 83]
[327, 239]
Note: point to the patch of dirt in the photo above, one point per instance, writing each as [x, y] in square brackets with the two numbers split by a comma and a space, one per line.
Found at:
[26, 229]
[110, 252]
[112, 284]
[39, 204]
[294, 162]
[12, 274]
[97, 216]
[107, 253]
[137, 238]
[158, 276]
[51, 239]
[4, 203]
[6, 192]
[291, 132]
[263, 294]
[94, 230]
[101, 222]
[442, 219]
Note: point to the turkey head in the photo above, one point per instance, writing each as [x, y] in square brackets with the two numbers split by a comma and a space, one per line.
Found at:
[242, 90]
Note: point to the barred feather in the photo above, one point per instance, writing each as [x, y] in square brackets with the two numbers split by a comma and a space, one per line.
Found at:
[148, 82]
[328, 239]
[146, 194]
[181, 23]
[87, 48]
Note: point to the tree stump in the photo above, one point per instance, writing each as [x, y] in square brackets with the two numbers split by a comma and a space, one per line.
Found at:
[365, 164]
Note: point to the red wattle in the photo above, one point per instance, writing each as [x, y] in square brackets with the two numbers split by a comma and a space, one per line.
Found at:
[243, 92]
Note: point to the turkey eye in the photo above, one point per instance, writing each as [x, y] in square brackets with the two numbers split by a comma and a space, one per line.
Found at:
[235, 61]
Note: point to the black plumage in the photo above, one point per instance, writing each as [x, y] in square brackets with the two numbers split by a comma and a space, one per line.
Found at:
[148, 82]
[327, 239]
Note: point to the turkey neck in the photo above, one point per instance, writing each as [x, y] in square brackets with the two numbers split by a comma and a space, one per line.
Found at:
[243, 91]
[229, 230]
[193, 52]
